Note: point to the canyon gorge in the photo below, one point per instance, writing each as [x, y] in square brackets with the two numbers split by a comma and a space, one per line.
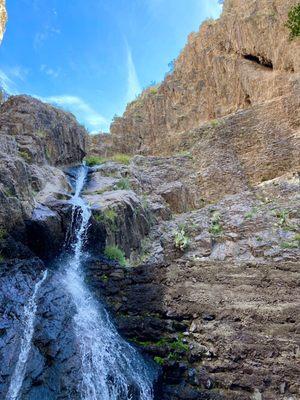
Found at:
[160, 261]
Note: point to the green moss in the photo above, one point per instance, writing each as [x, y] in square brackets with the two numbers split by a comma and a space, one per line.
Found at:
[116, 254]
[293, 22]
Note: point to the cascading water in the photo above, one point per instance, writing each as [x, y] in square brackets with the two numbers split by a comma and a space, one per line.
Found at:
[111, 369]
[29, 318]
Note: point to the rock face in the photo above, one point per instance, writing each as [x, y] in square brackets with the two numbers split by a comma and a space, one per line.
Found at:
[36, 139]
[220, 314]
[3, 18]
[241, 60]
[41, 133]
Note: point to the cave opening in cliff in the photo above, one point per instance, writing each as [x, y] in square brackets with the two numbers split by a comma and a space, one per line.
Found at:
[259, 60]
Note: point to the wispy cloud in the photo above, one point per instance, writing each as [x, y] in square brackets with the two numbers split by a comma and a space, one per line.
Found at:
[83, 111]
[133, 84]
[12, 77]
[6, 83]
[45, 34]
[54, 73]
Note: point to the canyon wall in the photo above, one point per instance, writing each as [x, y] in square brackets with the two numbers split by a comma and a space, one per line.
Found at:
[3, 18]
[241, 60]
[232, 102]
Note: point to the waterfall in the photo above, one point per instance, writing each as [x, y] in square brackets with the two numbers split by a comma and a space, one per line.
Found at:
[29, 318]
[111, 369]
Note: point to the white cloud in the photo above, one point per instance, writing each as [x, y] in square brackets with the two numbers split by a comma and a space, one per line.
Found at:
[133, 84]
[83, 111]
[10, 77]
[54, 73]
[6, 83]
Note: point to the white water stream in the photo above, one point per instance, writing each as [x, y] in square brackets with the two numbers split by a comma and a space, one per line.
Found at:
[28, 323]
[111, 369]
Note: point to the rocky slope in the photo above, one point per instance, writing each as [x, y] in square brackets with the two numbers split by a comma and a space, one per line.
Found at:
[3, 18]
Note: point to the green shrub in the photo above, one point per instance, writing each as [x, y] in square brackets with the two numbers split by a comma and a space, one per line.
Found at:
[91, 161]
[41, 134]
[251, 214]
[293, 22]
[1, 258]
[290, 245]
[123, 184]
[181, 239]
[25, 155]
[107, 217]
[214, 123]
[121, 158]
[159, 360]
[116, 254]
[153, 90]
[216, 228]
[94, 160]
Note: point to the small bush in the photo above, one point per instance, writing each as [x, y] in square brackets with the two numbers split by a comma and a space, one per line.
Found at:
[108, 217]
[2, 259]
[159, 360]
[153, 90]
[123, 184]
[216, 228]
[290, 245]
[25, 155]
[115, 254]
[181, 239]
[121, 158]
[293, 22]
[94, 160]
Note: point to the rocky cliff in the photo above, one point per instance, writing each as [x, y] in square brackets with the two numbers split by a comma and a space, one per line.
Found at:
[3, 18]
[36, 139]
[211, 292]
[242, 60]
[232, 102]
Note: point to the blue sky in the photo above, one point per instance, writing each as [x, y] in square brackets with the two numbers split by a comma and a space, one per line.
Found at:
[93, 56]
